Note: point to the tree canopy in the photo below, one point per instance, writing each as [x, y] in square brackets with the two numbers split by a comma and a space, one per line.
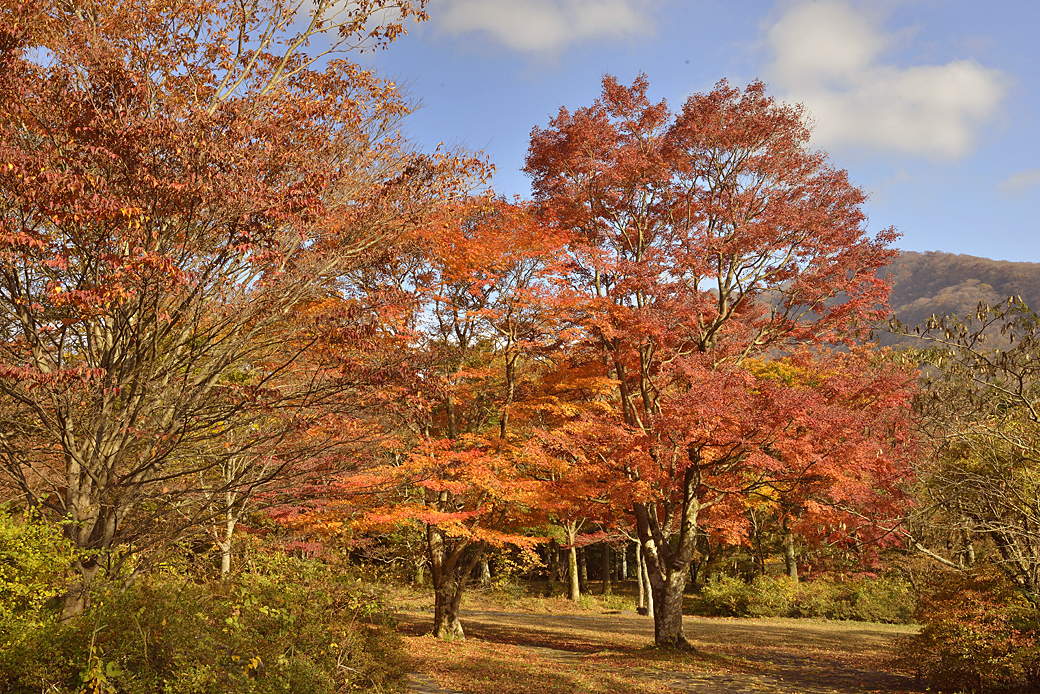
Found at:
[175, 181]
[226, 277]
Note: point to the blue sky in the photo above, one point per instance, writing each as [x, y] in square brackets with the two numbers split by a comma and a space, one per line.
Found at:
[933, 106]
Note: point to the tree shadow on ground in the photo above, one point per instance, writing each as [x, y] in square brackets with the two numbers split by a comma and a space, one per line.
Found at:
[733, 655]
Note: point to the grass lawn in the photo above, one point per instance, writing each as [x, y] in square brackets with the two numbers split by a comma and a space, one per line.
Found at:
[531, 644]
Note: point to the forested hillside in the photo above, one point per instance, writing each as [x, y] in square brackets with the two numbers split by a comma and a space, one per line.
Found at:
[947, 284]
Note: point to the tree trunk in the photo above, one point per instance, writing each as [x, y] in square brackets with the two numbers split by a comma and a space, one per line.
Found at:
[446, 624]
[757, 554]
[605, 589]
[641, 605]
[624, 563]
[667, 606]
[449, 581]
[77, 599]
[789, 557]
[583, 572]
[573, 582]
[649, 592]
[968, 554]
[668, 558]
[712, 559]
[485, 573]
[224, 543]
[667, 581]
[553, 566]
[225, 558]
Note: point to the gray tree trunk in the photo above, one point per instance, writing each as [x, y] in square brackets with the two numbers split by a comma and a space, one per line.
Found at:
[573, 578]
[645, 580]
[790, 560]
[77, 599]
[485, 573]
[640, 573]
[668, 550]
[449, 581]
[553, 567]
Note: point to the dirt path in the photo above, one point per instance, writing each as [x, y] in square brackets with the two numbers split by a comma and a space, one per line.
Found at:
[736, 655]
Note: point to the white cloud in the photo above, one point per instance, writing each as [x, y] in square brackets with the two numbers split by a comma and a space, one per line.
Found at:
[535, 26]
[1020, 183]
[829, 56]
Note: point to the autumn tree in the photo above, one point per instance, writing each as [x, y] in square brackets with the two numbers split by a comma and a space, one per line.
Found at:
[840, 497]
[700, 240]
[980, 414]
[473, 309]
[564, 388]
[494, 311]
[175, 179]
[576, 498]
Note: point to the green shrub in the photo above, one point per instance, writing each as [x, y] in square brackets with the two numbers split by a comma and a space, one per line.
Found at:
[979, 635]
[34, 568]
[863, 599]
[824, 599]
[296, 626]
[725, 596]
[616, 602]
[772, 597]
[887, 600]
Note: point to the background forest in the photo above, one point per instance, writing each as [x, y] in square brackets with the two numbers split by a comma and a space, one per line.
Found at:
[262, 359]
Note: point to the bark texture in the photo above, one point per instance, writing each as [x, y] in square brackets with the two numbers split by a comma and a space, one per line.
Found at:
[669, 544]
[449, 574]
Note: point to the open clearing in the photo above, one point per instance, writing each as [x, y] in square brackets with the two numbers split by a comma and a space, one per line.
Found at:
[522, 653]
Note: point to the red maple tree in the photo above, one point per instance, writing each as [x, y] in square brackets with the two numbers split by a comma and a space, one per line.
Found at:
[475, 306]
[702, 240]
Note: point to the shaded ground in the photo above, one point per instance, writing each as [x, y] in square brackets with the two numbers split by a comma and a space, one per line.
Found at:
[517, 653]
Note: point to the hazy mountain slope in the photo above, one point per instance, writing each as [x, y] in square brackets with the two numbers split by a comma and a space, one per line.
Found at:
[948, 284]
[934, 282]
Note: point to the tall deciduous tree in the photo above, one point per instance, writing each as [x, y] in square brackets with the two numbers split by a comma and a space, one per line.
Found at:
[494, 310]
[175, 179]
[980, 411]
[702, 239]
[476, 308]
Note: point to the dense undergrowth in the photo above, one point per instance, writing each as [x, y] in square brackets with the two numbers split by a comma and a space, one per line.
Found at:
[888, 600]
[868, 599]
[285, 625]
[979, 634]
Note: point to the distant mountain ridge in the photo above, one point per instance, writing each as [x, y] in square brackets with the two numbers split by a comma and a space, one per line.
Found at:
[949, 284]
